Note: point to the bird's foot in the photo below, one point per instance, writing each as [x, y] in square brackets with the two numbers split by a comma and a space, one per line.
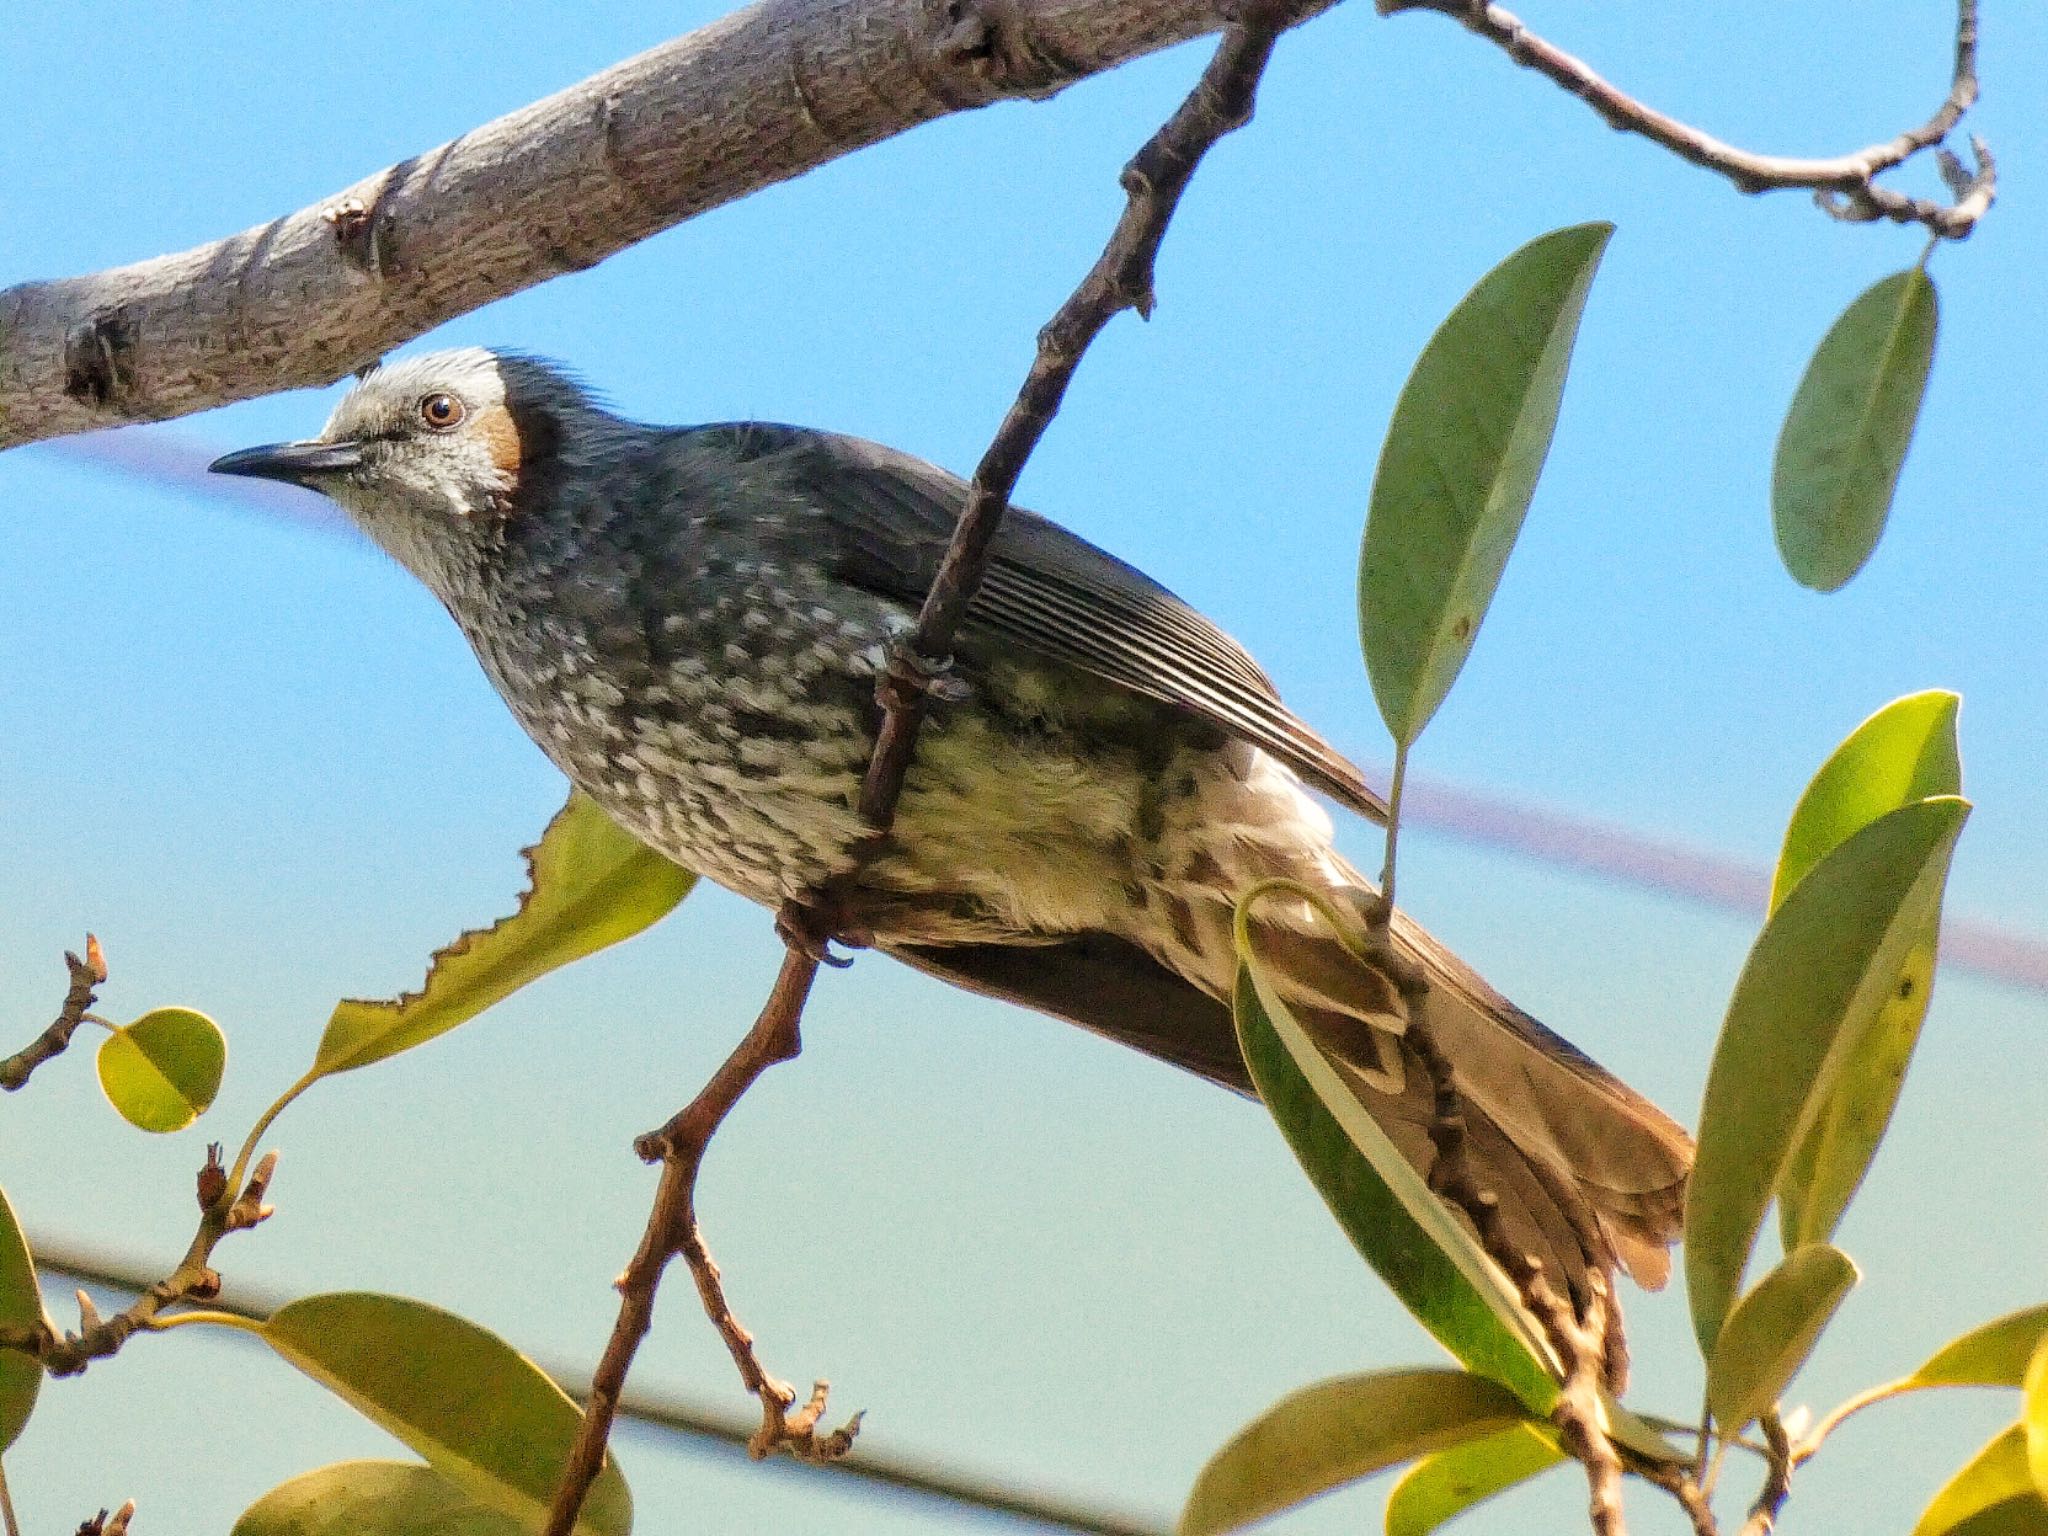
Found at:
[810, 932]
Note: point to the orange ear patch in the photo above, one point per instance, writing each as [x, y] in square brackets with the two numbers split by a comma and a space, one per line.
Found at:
[501, 433]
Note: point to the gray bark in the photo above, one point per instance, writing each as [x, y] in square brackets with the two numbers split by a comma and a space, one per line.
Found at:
[755, 98]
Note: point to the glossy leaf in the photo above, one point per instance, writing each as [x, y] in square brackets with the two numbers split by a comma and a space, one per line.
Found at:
[21, 1306]
[1468, 439]
[1847, 431]
[1994, 1493]
[483, 1415]
[590, 885]
[1994, 1355]
[1402, 1230]
[1905, 752]
[1771, 1332]
[1336, 1432]
[1441, 1487]
[163, 1071]
[373, 1498]
[1822, 967]
[2034, 1416]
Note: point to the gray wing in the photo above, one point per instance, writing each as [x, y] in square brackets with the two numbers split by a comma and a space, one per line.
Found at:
[1047, 591]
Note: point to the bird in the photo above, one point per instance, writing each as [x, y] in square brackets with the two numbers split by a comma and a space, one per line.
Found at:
[691, 623]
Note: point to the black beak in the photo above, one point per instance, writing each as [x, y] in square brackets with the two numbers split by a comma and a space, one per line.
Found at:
[293, 463]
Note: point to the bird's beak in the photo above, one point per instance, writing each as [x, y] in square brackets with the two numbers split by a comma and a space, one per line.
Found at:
[293, 463]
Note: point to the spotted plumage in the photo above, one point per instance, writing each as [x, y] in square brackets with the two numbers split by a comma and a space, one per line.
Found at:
[690, 622]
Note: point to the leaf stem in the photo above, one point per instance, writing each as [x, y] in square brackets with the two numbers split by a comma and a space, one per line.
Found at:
[263, 1123]
[219, 1319]
[7, 1506]
[1811, 1441]
[1384, 913]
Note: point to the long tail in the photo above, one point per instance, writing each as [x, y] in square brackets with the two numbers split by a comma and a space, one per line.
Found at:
[1589, 1173]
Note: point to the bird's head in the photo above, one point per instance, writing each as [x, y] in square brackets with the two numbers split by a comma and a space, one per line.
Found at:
[429, 454]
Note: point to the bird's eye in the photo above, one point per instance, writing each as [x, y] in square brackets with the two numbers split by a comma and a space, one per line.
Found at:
[441, 412]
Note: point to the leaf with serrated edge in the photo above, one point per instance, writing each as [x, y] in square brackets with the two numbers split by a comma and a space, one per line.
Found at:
[1443, 1486]
[21, 1306]
[163, 1071]
[590, 885]
[1336, 1432]
[1822, 967]
[1430, 1262]
[1459, 467]
[373, 1498]
[1771, 1332]
[1995, 1477]
[1848, 428]
[1905, 752]
[483, 1415]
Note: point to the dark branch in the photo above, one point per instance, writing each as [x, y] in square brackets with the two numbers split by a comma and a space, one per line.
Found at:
[1845, 186]
[87, 977]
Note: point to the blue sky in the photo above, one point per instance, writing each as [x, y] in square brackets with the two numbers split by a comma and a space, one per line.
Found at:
[260, 764]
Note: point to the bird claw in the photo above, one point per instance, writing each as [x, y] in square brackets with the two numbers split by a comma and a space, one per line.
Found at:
[802, 929]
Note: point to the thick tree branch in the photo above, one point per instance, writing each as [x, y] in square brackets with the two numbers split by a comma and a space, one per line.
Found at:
[760, 96]
[1844, 185]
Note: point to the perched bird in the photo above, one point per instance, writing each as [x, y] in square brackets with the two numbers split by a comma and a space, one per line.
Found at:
[690, 622]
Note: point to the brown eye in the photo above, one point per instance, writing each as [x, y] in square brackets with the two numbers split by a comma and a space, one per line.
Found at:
[441, 412]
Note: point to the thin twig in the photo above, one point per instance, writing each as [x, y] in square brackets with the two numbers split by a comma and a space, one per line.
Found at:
[87, 977]
[1845, 186]
[221, 1211]
[1777, 1488]
[1122, 278]
[672, 1230]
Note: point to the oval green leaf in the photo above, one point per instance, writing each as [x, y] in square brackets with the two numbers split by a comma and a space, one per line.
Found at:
[1455, 478]
[1847, 431]
[1994, 1355]
[1336, 1432]
[1430, 1262]
[1823, 966]
[163, 1071]
[1905, 752]
[373, 1498]
[590, 885]
[1993, 1493]
[1440, 1487]
[483, 1415]
[1771, 1332]
[21, 1306]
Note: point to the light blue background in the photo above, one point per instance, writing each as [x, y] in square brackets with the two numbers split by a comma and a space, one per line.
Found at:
[258, 761]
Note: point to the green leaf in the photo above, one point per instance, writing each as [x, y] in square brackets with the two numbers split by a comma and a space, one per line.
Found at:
[483, 1415]
[1994, 1493]
[1445, 1485]
[1459, 467]
[1771, 1332]
[1847, 431]
[1905, 752]
[162, 1071]
[21, 1306]
[1819, 972]
[2034, 1416]
[373, 1498]
[1402, 1230]
[1994, 1355]
[591, 885]
[1336, 1432]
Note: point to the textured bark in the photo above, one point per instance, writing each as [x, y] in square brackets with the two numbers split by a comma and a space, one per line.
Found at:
[760, 96]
